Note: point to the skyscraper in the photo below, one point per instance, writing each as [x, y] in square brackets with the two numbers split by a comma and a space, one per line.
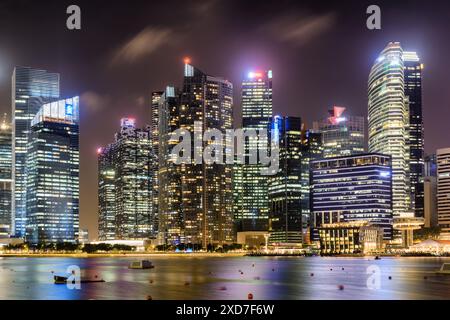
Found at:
[389, 122]
[156, 96]
[171, 219]
[285, 189]
[353, 188]
[124, 169]
[52, 173]
[342, 135]
[251, 201]
[31, 88]
[5, 177]
[206, 187]
[443, 191]
[413, 94]
[311, 149]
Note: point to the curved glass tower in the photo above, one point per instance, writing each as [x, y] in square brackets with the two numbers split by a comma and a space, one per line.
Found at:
[389, 122]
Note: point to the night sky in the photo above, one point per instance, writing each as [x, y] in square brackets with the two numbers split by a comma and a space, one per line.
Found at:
[320, 53]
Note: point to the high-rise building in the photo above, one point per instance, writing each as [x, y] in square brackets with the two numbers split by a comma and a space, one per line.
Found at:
[389, 122]
[430, 202]
[413, 93]
[251, 210]
[430, 166]
[106, 194]
[52, 174]
[156, 96]
[5, 177]
[311, 149]
[443, 191]
[171, 220]
[206, 188]
[31, 88]
[285, 189]
[342, 135]
[353, 188]
[124, 170]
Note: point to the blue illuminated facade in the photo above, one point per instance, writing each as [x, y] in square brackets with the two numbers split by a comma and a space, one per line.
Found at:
[354, 188]
[52, 171]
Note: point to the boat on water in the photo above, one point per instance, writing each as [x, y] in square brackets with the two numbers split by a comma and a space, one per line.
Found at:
[63, 280]
[141, 264]
[445, 269]
[377, 258]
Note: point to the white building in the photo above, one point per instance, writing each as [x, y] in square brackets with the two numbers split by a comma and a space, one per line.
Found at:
[443, 191]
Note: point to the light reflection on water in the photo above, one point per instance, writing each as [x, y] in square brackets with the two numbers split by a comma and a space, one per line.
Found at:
[220, 278]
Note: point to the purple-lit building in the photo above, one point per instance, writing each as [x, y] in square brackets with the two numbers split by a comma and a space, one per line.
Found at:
[354, 188]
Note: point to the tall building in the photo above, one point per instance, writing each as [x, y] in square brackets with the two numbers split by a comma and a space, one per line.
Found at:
[285, 189]
[389, 122]
[106, 194]
[52, 174]
[311, 149]
[430, 166]
[156, 96]
[206, 188]
[430, 202]
[5, 177]
[353, 188]
[125, 202]
[251, 201]
[413, 93]
[342, 135]
[31, 88]
[171, 219]
[443, 191]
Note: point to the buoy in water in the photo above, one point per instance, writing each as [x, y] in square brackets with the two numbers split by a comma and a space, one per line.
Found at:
[273, 270]
[186, 283]
[341, 287]
[250, 296]
[312, 274]
[151, 281]
[390, 278]
[223, 288]
[343, 269]
[149, 297]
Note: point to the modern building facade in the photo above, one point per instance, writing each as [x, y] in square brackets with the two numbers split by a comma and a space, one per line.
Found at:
[171, 219]
[284, 187]
[5, 177]
[52, 174]
[430, 202]
[443, 191]
[31, 88]
[389, 122]
[413, 92]
[251, 210]
[354, 188]
[125, 193]
[342, 135]
[207, 209]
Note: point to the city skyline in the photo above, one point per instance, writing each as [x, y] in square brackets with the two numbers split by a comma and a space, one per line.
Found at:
[294, 94]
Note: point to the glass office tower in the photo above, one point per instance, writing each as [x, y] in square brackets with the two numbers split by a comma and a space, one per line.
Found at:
[124, 170]
[443, 191]
[52, 174]
[207, 205]
[413, 92]
[31, 88]
[389, 122]
[354, 188]
[251, 202]
[5, 177]
[156, 96]
[285, 189]
[342, 135]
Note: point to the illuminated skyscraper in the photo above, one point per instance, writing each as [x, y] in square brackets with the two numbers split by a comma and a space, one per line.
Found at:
[284, 188]
[443, 191]
[389, 122]
[311, 149]
[124, 169]
[156, 96]
[413, 92]
[206, 188]
[342, 135]
[251, 195]
[5, 177]
[31, 88]
[171, 220]
[52, 172]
